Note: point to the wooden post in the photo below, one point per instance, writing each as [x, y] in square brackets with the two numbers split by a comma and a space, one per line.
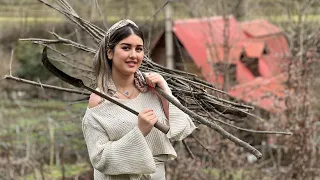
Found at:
[169, 37]
[51, 140]
[263, 150]
[61, 156]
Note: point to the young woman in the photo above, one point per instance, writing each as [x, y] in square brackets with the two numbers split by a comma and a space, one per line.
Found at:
[120, 144]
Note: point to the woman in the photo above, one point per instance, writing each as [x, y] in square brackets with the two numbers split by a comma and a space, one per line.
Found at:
[120, 144]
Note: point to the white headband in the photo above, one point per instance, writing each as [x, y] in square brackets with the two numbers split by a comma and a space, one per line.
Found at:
[117, 26]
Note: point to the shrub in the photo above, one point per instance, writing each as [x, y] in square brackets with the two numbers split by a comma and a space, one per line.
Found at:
[29, 57]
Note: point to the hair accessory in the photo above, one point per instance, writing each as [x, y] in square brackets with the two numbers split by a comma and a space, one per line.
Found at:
[117, 26]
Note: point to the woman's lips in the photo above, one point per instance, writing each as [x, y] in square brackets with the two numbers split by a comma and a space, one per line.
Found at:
[132, 64]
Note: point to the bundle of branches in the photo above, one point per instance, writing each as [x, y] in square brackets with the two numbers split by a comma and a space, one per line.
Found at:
[204, 103]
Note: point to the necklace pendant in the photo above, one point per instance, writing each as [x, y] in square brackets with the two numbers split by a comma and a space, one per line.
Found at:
[127, 93]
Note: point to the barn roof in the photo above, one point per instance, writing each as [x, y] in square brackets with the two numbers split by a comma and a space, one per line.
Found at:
[203, 38]
[197, 35]
[265, 93]
[255, 49]
[259, 28]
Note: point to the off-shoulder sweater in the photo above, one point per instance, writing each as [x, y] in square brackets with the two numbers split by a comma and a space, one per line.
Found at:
[117, 148]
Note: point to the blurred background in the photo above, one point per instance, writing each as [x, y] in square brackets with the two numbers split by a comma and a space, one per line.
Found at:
[263, 53]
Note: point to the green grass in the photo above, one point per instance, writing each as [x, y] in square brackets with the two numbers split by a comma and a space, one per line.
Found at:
[54, 172]
[80, 105]
[37, 117]
[295, 18]
[25, 122]
[16, 19]
[31, 19]
[51, 105]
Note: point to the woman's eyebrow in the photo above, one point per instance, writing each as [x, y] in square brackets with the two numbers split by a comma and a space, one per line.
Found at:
[130, 44]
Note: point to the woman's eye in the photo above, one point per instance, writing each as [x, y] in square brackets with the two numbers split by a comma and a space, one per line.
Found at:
[139, 49]
[125, 48]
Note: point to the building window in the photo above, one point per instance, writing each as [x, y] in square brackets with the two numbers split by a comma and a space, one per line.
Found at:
[252, 64]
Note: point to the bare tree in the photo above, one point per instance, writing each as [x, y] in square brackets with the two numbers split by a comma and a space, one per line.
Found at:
[304, 37]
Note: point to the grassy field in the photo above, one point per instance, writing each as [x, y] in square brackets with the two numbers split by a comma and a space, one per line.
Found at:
[36, 126]
[30, 19]
[54, 172]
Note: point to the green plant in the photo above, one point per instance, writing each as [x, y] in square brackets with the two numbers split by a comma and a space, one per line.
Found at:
[29, 57]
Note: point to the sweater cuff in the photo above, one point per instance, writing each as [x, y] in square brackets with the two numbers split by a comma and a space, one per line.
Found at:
[130, 155]
[180, 124]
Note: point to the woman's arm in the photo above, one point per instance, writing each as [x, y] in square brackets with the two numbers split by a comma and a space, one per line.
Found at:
[180, 123]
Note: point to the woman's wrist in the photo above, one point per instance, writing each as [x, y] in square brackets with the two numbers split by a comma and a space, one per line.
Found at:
[166, 88]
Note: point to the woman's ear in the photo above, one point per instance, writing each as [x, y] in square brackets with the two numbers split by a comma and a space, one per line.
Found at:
[110, 54]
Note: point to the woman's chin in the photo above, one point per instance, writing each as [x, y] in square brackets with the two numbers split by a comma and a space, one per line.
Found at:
[130, 71]
[126, 70]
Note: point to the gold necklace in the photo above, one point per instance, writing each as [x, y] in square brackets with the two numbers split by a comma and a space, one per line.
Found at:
[126, 94]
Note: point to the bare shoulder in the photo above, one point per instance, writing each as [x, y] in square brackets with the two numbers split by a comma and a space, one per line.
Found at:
[94, 100]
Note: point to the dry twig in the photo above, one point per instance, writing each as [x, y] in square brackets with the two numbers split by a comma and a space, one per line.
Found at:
[9, 77]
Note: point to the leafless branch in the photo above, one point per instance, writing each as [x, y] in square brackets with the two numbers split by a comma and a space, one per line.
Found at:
[102, 16]
[244, 129]
[201, 144]
[9, 77]
[188, 149]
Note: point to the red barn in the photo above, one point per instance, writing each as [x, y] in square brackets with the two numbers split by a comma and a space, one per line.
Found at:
[253, 49]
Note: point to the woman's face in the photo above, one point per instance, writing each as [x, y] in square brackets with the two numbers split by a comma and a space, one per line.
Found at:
[127, 55]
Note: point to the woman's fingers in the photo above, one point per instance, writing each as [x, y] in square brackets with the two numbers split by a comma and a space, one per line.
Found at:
[148, 115]
[146, 120]
[154, 79]
[147, 112]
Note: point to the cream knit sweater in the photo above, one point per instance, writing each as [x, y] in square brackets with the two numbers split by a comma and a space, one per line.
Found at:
[117, 148]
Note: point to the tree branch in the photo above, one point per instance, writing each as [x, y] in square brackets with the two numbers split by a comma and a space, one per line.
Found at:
[103, 18]
[10, 77]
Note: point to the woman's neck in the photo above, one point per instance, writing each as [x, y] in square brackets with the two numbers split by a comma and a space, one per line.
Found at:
[122, 81]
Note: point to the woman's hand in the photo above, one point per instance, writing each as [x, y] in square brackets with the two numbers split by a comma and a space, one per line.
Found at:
[146, 120]
[154, 79]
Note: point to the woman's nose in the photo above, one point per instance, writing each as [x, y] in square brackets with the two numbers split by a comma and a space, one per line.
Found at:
[133, 54]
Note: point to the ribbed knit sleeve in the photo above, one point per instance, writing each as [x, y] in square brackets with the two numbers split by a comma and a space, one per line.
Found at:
[128, 155]
[180, 123]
